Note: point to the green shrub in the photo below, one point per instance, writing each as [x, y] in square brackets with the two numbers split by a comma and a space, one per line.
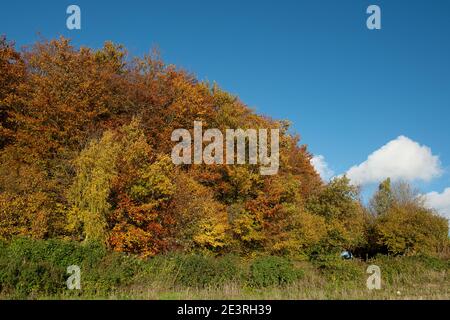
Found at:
[197, 270]
[56, 252]
[113, 271]
[337, 270]
[404, 268]
[29, 267]
[160, 268]
[229, 268]
[434, 263]
[272, 271]
[24, 278]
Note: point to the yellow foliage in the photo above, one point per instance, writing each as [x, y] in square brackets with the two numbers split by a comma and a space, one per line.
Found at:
[96, 168]
[411, 229]
[201, 221]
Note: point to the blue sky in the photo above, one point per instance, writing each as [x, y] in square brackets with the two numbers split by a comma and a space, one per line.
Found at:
[347, 90]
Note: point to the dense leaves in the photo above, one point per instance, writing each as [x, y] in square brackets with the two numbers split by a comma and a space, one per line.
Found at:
[85, 155]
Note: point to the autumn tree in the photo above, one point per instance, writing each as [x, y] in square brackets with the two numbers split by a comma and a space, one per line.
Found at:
[85, 143]
[12, 73]
[201, 222]
[89, 195]
[407, 226]
[338, 203]
[383, 199]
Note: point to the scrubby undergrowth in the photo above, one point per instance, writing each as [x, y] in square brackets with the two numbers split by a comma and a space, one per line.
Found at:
[31, 269]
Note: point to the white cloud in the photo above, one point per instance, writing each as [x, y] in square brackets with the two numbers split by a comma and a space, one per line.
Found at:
[439, 201]
[399, 159]
[321, 167]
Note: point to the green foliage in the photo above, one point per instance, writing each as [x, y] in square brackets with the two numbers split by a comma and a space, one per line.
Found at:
[269, 271]
[113, 271]
[401, 269]
[383, 199]
[30, 267]
[25, 279]
[338, 270]
[336, 200]
[345, 217]
[200, 271]
[56, 252]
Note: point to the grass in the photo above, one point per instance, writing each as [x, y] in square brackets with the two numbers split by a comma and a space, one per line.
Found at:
[314, 284]
[32, 269]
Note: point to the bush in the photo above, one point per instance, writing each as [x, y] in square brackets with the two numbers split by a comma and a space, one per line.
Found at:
[228, 269]
[113, 271]
[272, 271]
[434, 263]
[200, 271]
[404, 268]
[29, 278]
[338, 270]
[56, 252]
[29, 267]
[196, 270]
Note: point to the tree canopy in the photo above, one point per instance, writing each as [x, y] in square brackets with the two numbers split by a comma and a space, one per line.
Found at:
[85, 154]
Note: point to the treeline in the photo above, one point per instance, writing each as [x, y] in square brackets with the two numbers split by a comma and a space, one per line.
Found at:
[85, 155]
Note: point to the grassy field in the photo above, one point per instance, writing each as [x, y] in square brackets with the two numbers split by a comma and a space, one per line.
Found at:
[37, 270]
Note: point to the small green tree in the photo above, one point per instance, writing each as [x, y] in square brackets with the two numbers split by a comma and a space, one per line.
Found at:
[383, 199]
[344, 215]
